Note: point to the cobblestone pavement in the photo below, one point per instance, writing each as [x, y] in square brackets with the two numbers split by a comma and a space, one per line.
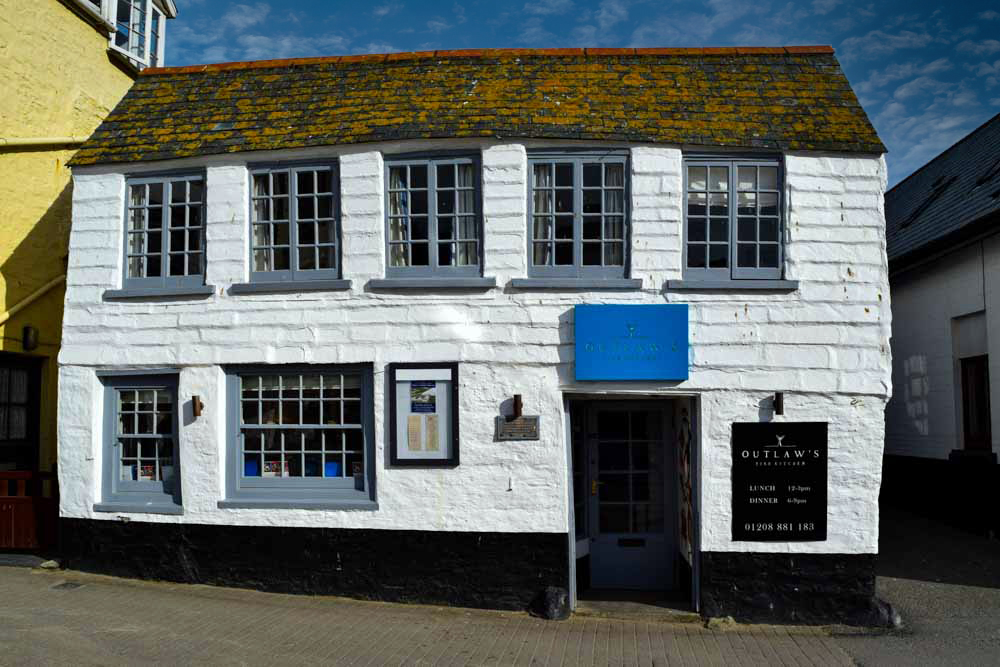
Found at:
[63, 618]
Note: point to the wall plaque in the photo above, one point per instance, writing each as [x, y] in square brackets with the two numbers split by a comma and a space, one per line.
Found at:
[423, 414]
[631, 342]
[518, 428]
[779, 482]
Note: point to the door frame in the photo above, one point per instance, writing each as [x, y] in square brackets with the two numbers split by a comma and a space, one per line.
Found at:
[695, 410]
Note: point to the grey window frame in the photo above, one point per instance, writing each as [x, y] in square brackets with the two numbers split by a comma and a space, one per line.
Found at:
[298, 492]
[137, 496]
[433, 269]
[293, 273]
[577, 270]
[733, 272]
[164, 281]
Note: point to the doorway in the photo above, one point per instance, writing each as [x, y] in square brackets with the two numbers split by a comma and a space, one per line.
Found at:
[626, 501]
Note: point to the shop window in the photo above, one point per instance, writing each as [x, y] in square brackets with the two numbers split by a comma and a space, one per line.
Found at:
[433, 220]
[295, 228]
[165, 232]
[732, 216]
[141, 462]
[300, 436]
[578, 223]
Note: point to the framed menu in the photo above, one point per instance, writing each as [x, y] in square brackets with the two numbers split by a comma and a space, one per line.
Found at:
[423, 414]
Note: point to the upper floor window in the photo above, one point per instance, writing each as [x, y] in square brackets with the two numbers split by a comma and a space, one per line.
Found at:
[294, 214]
[433, 217]
[733, 219]
[138, 28]
[165, 232]
[578, 219]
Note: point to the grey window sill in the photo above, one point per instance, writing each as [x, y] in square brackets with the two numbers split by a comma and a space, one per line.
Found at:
[432, 283]
[298, 505]
[616, 284]
[127, 294]
[134, 508]
[732, 285]
[291, 286]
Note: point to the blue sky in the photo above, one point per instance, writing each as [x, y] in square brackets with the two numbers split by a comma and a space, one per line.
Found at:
[926, 72]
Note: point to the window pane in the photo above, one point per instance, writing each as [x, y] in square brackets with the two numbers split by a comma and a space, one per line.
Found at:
[542, 255]
[304, 182]
[446, 176]
[327, 257]
[279, 181]
[697, 203]
[564, 254]
[768, 255]
[564, 227]
[592, 254]
[591, 201]
[614, 201]
[614, 175]
[398, 255]
[718, 229]
[564, 201]
[137, 195]
[543, 228]
[769, 204]
[324, 181]
[592, 176]
[747, 204]
[279, 208]
[419, 255]
[418, 203]
[592, 227]
[446, 228]
[768, 178]
[697, 178]
[614, 227]
[747, 178]
[769, 229]
[446, 254]
[397, 178]
[466, 174]
[718, 204]
[746, 255]
[747, 229]
[282, 259]
[446, 202]
[543, 201]
[564, 175]
[718, 178]
[718, 256]
[466, 202]
[418, 177]
[261, 185]
[418, 228]
[614, 254]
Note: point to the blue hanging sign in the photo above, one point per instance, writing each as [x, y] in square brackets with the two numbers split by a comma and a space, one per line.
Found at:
[631, 342]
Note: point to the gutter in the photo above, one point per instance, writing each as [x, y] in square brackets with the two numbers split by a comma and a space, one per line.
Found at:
[31, 298]
[40, 142]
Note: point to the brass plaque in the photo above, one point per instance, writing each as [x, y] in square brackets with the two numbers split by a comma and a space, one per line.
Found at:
[522, 428]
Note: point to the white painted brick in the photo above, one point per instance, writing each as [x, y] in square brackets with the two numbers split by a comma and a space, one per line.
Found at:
[825, 344]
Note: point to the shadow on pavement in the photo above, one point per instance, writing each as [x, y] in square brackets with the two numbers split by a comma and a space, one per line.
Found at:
[913, 547]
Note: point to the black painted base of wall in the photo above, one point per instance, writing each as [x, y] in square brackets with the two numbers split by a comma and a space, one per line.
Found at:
[485, 570]
[791, 588]
[964, 491]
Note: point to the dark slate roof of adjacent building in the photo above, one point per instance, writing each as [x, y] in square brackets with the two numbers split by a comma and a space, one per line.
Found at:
[950, 197]
[794, 98]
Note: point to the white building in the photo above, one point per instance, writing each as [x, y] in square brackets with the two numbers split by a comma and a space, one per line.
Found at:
[297, 386]
[944, 257]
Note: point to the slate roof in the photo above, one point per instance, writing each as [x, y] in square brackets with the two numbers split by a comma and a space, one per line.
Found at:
[955, 193]
[794, 98]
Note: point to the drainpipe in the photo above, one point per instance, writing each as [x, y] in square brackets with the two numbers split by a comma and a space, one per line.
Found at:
[31, 298]
[41, 142]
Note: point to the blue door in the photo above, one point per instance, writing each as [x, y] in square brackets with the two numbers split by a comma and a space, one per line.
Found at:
[631, 458]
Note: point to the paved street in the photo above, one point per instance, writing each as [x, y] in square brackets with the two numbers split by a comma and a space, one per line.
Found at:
[944, 582]
[110, 621]
[946, 585]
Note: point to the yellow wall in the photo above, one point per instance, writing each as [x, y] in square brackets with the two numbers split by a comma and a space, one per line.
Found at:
[58, 80]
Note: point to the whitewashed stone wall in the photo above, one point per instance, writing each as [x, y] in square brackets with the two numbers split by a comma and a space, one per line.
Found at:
[930, 304]
[826, 344]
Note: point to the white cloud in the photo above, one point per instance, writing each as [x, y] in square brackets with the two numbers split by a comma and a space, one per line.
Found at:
[241, 17]
[548, 6]
[988, 15]
[438, 25]
[256, 47]
[918, 86]
[880, 43]
[378, 47]
[382, 11]
[824, 6]
[459, 13]
[534, 34]
[214, 54]
[995, 101]
[611, 12]
[985, 47]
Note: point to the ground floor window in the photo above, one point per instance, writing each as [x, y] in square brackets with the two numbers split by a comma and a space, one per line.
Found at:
[141, 466]
[300, 434]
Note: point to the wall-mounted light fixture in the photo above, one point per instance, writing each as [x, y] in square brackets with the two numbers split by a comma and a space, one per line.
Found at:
[518, 406]
[197, 406]
[779, 403]
[29, 338]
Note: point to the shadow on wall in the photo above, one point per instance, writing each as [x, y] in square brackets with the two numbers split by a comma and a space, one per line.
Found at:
[35, 259]
[916, 389]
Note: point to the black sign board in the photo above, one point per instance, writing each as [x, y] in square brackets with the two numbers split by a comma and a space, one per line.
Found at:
[779, 482]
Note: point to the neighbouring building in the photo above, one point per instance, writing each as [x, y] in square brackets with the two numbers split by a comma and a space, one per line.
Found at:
[484, 327]
[944, 262]
[53, 99]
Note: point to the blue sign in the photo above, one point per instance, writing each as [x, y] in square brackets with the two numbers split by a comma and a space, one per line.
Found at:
[633, 342]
